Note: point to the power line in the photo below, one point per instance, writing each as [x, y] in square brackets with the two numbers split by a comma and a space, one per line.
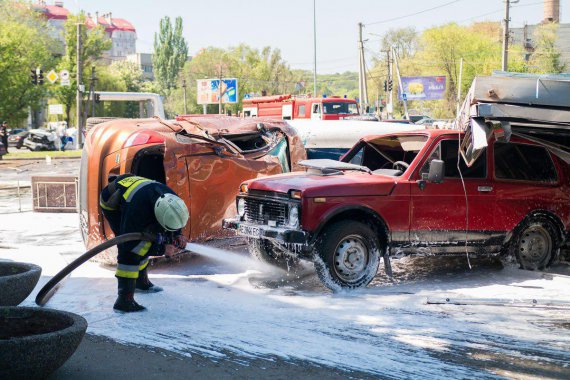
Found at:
[413, 14]
[501, 9]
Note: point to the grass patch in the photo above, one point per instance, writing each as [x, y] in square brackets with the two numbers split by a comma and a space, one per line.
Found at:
[24, 153]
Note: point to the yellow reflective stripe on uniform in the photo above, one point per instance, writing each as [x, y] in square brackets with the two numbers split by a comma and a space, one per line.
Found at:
[125, 274]
[142, 248]
[105, 207]
[143, 264]
[127, 271]
[127, 182]
[128, 195]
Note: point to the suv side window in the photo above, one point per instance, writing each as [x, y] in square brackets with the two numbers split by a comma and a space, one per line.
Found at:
[447, 150]
[523, 162]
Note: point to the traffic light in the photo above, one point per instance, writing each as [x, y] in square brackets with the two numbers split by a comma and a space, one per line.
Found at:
[389, 84]
[34, 77]
[97, 98]
[385, 86]
[37, 76]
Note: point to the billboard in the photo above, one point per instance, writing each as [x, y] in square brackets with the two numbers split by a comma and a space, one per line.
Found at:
[423, 88]
[208, 91]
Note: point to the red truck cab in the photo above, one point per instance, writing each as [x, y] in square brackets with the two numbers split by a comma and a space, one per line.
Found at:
[409, 193]
[287, 107]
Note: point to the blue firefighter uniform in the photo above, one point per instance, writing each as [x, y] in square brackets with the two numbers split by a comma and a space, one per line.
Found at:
[128, 205]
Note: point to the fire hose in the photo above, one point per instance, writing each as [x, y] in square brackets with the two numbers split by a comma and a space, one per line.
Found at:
[50, 288]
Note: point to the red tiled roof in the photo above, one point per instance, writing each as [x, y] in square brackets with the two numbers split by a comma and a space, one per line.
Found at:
[117, 24]
[52, 12]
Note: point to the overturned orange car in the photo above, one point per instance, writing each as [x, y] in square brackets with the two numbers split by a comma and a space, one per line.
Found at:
[203, 159]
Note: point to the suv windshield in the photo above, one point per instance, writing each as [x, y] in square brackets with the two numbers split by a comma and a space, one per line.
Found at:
[340, 107]
[380, 154]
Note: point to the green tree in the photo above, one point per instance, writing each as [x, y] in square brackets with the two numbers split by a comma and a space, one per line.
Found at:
[546, 55]
[256, 71]
[404, 40]
[94, 43]
[170, 53]
[24, 45]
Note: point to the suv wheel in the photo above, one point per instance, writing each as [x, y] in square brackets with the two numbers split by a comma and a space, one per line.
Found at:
[266, 252]
[348, 255]
[534, 243]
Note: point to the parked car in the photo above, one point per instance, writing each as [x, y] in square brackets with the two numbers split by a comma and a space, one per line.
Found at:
[416, 118]
[40, 139]
[202, 158]
[15, 131]
[407, 193]
[16, 140]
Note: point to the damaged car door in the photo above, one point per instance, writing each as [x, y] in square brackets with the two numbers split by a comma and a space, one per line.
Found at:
[444, 215]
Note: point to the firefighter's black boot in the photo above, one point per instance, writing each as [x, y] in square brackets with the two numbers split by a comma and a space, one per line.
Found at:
[144, 285]
[126, 301]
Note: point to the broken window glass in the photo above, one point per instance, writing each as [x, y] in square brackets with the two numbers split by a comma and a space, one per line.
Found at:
[523, 162]
[447, 151]
[280, 151]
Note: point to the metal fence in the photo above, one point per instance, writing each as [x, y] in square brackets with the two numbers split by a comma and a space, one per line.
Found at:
[54, 193]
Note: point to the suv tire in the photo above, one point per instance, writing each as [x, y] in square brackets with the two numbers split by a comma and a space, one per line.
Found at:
[534, 243]
[347, 255]
[263, 250]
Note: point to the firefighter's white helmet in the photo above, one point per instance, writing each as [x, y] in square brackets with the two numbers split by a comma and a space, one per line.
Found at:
[171, 212]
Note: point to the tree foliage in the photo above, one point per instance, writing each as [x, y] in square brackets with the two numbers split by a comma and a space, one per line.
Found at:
[24, 46]
[440, 50]
[546, 55]
[404, 40]
[256, 71]
[94, 43]
[170, 53]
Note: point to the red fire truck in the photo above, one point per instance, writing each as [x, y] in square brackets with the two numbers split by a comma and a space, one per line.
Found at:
[288, 107]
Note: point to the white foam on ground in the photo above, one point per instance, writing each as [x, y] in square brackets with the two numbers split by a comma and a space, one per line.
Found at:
[384, 330]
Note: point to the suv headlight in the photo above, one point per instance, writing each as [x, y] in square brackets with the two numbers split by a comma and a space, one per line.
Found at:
[241, 207]
[294, 216]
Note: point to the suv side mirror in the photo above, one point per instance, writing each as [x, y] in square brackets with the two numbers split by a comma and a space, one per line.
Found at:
[436, 171]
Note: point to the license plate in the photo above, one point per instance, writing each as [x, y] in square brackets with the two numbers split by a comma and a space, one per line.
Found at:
[249, 231]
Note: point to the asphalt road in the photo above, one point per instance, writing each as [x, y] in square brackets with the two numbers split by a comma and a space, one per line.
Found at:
[101, 358]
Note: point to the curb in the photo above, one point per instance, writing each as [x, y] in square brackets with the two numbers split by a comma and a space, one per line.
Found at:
[40, 158]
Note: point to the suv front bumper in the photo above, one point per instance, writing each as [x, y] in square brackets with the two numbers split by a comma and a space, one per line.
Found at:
[281, 234]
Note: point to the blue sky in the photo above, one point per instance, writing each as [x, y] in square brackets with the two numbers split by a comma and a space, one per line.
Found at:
[288, 25]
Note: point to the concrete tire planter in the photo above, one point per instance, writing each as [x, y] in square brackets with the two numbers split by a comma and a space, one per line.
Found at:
[17, 280]
[34, 342]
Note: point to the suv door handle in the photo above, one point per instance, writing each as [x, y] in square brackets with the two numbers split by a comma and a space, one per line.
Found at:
[484, 189]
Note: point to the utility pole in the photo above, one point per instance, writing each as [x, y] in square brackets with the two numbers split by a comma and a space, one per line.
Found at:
[315, 48]
[505, 63]
[406, 115]
[362, 86]
[390, 105]
[79, 95]
[184, 89]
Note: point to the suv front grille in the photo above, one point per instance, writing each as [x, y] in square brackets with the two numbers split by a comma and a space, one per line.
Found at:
[263, 210]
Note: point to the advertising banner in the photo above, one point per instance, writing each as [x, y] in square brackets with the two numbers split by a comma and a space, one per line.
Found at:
[209, 93]
[422, 88]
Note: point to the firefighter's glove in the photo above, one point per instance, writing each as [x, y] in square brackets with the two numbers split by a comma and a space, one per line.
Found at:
[180, 241]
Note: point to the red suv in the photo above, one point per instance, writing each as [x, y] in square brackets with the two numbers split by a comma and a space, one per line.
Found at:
[409, 193]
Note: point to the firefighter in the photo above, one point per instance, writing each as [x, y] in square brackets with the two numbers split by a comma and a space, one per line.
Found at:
[136, 204]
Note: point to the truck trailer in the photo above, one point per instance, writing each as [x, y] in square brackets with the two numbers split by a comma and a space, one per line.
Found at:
[288, 107]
